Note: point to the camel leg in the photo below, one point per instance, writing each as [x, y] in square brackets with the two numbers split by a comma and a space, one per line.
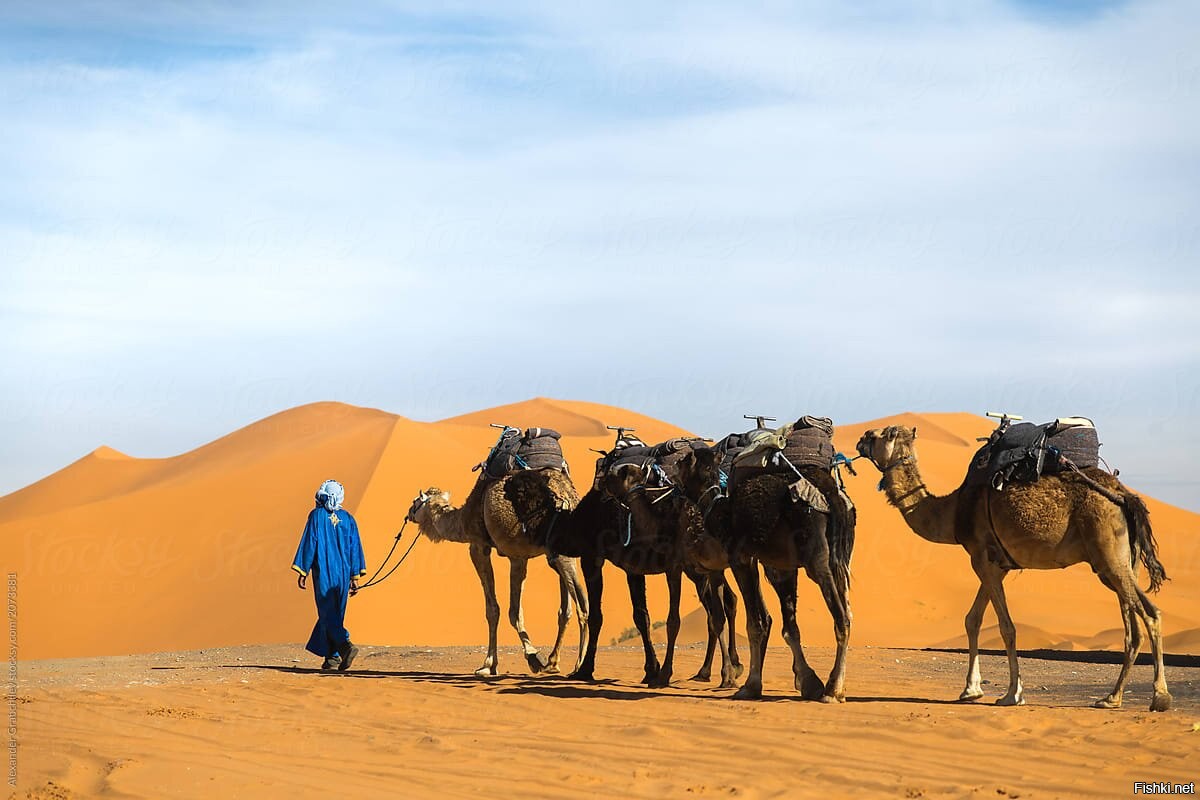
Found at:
[517, 570]
[730, 603]
[641, 619]
[720, 630]
[839, 609]
[1133, 643]
[992, 578]
[758, 627]
[593, 574]
[571, 593]
[481, 559]
[1153, 622]
[974, 688]
[805, 680]
[703, 590]
[663, 678]
[564, 609]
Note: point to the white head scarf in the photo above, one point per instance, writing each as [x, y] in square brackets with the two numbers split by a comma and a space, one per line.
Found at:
[331, 495]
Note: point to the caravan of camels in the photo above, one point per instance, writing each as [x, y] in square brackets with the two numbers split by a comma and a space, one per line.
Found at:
[1034, 497]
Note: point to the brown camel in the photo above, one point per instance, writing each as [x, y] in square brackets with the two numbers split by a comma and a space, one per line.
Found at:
[761, 523]
[487, 520]
[1052, 523]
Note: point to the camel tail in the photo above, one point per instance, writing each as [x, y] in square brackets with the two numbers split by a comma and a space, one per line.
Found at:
[1141, 539]
[839, 534]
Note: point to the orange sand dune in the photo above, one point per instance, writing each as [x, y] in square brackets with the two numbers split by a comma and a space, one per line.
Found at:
[119, 555]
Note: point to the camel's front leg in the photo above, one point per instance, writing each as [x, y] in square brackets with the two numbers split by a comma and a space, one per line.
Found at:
[481, 559]
[518, 568]
[593, 573]
[641, 620]
[720, 631]
[992, 577]
[758, 626]
[974, 688]
[730, 603]
[674, 581]
[805, 678]
[704, 588]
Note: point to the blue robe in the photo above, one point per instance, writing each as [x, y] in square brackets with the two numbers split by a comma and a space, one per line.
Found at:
[331, 554]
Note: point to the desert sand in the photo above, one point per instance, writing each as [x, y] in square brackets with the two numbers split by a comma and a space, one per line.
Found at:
[116, 555]
[412, 722]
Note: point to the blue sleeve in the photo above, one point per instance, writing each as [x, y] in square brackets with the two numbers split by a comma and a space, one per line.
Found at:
[306, 553]
[359, 565]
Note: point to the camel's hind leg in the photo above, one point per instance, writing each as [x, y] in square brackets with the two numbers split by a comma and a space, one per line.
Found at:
[641, 620]
[571, 591]
[992, 578]
[518, 568]
[806, 680]
[1153, 622]
[481, 559]
[974, 688]
[1134, 606]
[758, 626]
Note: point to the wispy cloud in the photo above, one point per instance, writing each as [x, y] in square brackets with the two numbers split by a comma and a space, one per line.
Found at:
[877, 207]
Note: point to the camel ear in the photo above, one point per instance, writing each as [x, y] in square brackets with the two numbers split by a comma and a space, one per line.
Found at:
[914, 432]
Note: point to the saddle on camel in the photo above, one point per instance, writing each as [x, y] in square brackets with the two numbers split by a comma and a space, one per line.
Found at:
[659, 461]
[535, 448]
[801, 451]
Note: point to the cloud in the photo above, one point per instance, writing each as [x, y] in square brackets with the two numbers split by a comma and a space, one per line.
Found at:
[879, 207]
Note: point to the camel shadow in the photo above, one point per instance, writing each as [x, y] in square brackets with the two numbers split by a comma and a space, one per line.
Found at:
[419, 675]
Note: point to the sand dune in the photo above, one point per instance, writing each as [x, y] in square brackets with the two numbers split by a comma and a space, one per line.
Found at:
[117, 554]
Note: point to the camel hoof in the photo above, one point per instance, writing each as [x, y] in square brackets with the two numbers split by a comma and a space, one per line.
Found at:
[581, 675]
[1161, 702]
[1108, 702]
[535, 662]
[703, 676]
[660, 682]
[485, 672]
[1010, 701]
[970, 694]
[748, 692]
[810, 687]
[550, 669]
[650, 677]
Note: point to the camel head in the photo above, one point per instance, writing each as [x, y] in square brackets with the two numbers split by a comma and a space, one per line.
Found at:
[699, 473]
[623, 480]
[422, 501]
[887, 447]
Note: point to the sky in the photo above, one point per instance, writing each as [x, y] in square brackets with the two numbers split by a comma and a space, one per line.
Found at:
[693, 210]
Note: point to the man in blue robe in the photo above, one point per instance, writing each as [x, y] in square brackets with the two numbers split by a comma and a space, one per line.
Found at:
[331, 551]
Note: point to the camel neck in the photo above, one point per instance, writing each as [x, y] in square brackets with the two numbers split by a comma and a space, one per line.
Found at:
[930, 517]
[445, 524]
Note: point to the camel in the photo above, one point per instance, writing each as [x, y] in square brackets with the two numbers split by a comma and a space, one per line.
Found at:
[1052, 523]
[760, 523]
[486, 521]
[599, 530]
